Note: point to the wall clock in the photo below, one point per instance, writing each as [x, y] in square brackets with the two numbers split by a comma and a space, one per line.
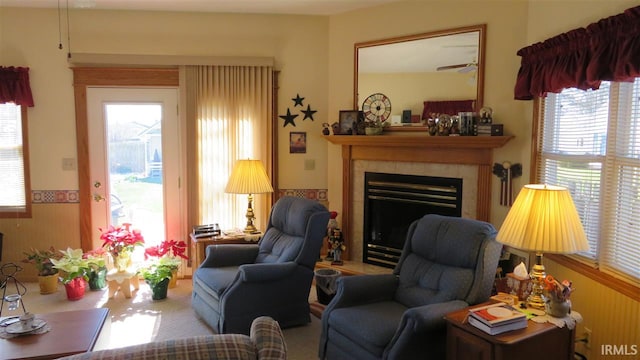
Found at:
[376, 107]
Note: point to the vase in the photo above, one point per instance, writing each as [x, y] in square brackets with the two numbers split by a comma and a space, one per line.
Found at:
[122, 261]
[98, 279]
[173, 282]
[75, 288]
[159, 290]
[558, 308]
[48, 284]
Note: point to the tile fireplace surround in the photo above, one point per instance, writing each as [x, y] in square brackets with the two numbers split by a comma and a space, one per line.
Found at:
[469, 158]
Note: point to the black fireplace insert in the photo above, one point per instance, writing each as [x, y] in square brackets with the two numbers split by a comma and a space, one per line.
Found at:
[393, 201]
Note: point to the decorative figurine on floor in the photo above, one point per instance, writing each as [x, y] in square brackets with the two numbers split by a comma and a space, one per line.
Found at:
[337, 246]
[331, 225]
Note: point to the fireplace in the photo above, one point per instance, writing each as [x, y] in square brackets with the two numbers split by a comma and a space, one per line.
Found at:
[393, 201]
[467, 157]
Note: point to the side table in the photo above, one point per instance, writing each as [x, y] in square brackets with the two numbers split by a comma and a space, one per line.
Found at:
[536, 341]
[199, 244]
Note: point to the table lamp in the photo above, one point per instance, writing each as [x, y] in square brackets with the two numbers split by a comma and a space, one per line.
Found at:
[249, 177]
[543, 219]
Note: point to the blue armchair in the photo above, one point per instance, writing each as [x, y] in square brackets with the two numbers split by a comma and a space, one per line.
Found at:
[237, 283]
[447, 263]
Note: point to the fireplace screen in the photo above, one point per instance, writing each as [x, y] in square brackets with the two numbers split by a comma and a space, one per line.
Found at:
[393, 202]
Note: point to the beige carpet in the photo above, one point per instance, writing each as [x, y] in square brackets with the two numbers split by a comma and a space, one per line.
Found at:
[139, 319]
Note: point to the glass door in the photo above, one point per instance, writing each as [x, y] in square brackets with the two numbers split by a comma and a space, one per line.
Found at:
[135, 162]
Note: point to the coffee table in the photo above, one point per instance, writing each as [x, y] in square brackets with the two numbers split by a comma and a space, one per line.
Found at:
[72, 332]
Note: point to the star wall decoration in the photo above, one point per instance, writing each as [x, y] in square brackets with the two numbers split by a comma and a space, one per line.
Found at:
[297, 100]
[308, 114]
[289, 118]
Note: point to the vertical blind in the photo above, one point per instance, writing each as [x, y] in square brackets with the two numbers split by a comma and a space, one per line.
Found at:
[12, 181]
[590, 143]
[231, 118]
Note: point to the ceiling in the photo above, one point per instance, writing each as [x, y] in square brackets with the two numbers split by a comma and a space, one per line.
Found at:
[292, 7]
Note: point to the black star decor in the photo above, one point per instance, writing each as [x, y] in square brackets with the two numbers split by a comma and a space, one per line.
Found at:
[308, 114]
[289, 118]
[297, 100]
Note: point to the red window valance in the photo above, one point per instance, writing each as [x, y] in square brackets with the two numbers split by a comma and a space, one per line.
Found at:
[449, 107]
[606, 50]
[14, 86]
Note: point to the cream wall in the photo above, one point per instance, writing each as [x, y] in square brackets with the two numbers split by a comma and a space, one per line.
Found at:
[298, 45]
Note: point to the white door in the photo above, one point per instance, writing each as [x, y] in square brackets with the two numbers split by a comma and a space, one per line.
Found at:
[136, 162]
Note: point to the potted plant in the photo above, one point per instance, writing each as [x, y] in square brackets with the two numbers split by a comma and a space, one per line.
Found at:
[47, 274]
[157, 273]
[120, 242]
[169, 249]
[74, 272]
[96, 259]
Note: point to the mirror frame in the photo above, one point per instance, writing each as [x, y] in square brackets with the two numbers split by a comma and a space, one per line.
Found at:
[481, 28]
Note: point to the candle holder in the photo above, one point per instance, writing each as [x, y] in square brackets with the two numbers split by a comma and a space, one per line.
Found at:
[14, 301]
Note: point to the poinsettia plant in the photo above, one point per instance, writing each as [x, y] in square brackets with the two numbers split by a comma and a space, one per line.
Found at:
[115, 240]
[162, 260]
[71, 264]
[167, 248]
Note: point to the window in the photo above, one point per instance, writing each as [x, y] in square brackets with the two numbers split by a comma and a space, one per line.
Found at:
[14, 165]
[589, 142]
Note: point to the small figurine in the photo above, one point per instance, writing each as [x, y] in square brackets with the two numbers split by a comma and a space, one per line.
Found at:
[325, 129]
[337, 246]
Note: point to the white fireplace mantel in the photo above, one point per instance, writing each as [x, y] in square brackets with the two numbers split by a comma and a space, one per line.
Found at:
[418, 148]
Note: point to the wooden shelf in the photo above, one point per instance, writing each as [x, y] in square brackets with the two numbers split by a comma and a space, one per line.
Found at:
[421, 141]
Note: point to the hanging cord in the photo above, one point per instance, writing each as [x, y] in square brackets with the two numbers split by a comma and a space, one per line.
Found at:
[68, 33]
[59, 28]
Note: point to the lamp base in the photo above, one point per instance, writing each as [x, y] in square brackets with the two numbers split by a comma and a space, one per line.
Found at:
[537, 299]
[250, 228]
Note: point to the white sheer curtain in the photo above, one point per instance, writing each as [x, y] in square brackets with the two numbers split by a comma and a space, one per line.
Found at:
[229, 113]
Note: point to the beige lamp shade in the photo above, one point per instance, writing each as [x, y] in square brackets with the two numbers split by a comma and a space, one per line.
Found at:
[248, 177]
[543, 218]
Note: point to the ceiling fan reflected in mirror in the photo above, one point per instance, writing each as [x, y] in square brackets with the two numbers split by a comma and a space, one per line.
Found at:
[464, 68]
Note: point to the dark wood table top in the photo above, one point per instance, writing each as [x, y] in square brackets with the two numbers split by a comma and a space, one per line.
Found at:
[72, 332]
[459, 319]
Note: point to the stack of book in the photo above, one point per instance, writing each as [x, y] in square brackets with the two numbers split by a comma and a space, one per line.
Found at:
[497, 318]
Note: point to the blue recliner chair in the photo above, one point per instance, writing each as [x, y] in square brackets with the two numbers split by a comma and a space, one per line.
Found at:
[237, 283]
[447, 264]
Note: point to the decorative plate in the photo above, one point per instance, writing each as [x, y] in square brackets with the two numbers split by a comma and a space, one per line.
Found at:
[16, 328]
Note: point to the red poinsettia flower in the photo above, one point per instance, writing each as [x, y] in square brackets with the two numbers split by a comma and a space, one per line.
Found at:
[121, 238]
[168, 247]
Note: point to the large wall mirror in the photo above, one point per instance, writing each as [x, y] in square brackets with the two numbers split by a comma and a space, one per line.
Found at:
[409, 70]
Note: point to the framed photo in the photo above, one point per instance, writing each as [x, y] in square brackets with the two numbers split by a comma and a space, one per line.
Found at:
[297, 142]
[348, 122]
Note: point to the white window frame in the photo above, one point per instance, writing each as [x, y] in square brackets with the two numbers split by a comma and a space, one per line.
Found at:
[602, 236]
[21, 209]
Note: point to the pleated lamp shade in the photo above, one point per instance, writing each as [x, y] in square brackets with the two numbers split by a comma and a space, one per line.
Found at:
[543, 218]
[248, 177]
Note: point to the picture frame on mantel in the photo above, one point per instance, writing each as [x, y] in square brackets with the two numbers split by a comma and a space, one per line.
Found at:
[348, 121]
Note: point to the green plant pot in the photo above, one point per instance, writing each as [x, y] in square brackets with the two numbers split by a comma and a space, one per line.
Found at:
[159, 290]
[98, 279]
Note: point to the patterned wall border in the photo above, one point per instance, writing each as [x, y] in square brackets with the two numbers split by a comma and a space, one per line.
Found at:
[71, 196]
[54, 196]
[313, 194]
